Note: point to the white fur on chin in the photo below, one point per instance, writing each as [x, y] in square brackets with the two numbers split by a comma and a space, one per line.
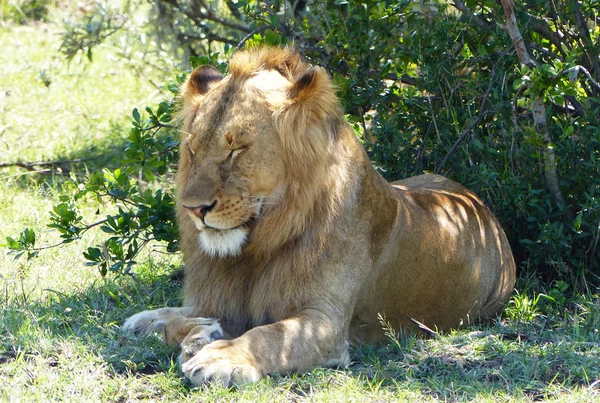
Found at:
[222, 243]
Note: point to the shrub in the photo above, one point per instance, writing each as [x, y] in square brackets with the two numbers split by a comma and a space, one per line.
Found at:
[430, 87]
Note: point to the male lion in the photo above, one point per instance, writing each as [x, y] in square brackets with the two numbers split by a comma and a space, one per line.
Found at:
[294, 244]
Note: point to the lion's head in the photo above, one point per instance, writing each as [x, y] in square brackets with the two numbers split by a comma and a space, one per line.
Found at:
[242, 154]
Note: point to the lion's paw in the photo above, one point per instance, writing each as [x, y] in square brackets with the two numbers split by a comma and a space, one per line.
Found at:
[198, 338]
[144, 322]
[221, 364]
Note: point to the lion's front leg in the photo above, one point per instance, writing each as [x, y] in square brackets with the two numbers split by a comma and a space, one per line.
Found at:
[300, 343]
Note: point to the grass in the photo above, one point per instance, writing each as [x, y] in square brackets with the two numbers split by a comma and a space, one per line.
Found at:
[59, 333]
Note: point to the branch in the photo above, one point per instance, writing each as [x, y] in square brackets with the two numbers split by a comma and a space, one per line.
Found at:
[542, 27]
[408, 80]
[199, 16]
[236, 13]
[513, 30]
[480, 22]
[543, 51]
[537, 108]
[404, 78]
[421, 151]
[431, 333]
[250, 35]
[480, 115]
[32, 165]
[576, 70]
[85, 229]
[209, 36]
[591, 51]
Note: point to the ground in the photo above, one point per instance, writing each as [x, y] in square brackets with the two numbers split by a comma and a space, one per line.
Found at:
[59, 334]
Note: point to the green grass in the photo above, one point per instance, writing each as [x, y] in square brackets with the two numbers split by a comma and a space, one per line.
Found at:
[59, 328]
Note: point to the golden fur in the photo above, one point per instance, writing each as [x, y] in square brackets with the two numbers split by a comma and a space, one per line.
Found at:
[296, 244]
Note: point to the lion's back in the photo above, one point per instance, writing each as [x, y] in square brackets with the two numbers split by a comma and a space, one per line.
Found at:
[448, 262]
[429, 182]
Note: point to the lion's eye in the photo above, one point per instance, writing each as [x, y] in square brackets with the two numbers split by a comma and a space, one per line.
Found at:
[235, 153]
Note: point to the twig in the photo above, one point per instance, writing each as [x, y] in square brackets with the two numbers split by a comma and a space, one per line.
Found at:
[419, 168]
[437, 132]
[591, 50]
[236, 13]
[250, 35]
[542, 27]
[197, 18]
[480, 22]
[480, 115]
[576, 70]
[431, 333]
[31, 165]
[364, 126]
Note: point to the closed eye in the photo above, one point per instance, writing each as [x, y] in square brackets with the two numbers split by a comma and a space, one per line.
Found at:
[235, 153]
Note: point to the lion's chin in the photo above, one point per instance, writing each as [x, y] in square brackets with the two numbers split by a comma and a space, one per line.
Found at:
[222, 243]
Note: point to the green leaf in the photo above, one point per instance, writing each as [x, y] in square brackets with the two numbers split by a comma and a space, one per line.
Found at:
[29, 237]
[569, 131]
[197, 61]
[136, 115]
[148, 173]
[93, 254]
[12, 244]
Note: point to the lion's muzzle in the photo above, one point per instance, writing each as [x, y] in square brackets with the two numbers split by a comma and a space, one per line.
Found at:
[202, 210]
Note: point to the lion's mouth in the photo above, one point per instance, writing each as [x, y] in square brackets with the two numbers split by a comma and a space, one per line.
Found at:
[248, 225]
[217, 222]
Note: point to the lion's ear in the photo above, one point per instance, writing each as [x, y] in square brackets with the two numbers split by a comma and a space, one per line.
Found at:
[308, 84]
[313, 90]
[200, 81]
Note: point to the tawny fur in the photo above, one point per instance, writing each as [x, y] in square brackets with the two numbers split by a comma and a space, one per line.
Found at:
[330, 244]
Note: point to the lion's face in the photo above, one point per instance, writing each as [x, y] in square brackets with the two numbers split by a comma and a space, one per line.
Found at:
[253, 143]
[230, 168]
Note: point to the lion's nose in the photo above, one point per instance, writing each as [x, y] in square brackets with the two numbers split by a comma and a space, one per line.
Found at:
[202, 210]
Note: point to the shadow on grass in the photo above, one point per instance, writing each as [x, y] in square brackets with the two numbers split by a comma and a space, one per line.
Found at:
[92, 318]
[533, 361]
[109, 152]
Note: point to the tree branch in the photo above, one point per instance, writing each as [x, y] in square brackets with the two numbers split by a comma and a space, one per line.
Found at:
[537, 108]
[542, 27]
[233, 9]
[591, 51]
[513, 30]
[430, 332]
[576, 69]
[32, 165]
[198, 16]
[480, 22]
[250, 35]
[480, 115]
[209, 36]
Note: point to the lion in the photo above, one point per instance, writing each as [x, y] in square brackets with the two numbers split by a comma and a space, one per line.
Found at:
[294, 246]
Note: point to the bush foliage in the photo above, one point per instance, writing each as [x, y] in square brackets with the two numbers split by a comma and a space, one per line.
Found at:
[427, 86]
